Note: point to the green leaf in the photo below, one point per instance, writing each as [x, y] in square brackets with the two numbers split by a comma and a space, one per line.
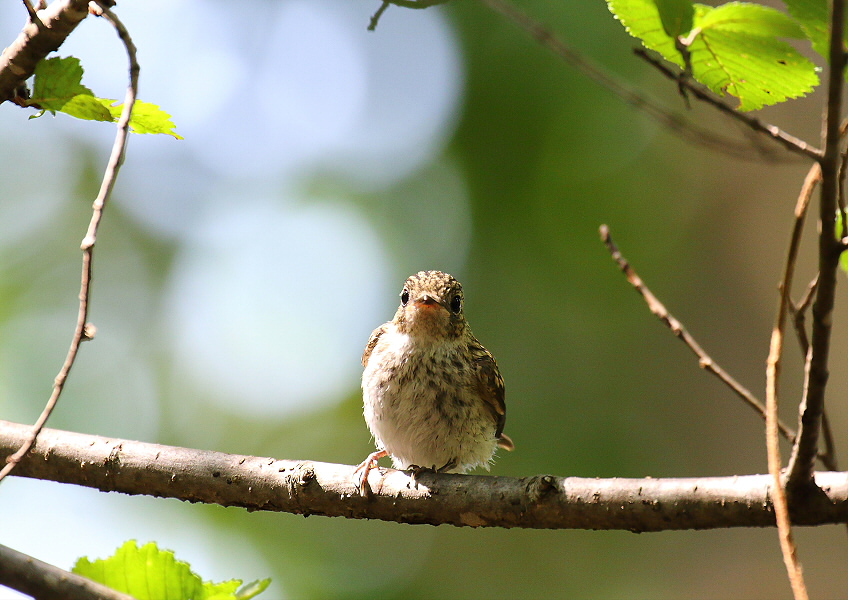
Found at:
[86, 107]
[751, 19]
[148, 573]
[734, 49]
[813, 15]
[57, 81]
[843, 258]
[146, 117]
[676, 16]
[58, 88]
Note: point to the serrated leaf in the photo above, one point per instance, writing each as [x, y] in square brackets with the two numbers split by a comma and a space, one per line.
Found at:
[641, 19]
[58, 88]
[146, 117]
[737, 51]
[813, 15]
[145, 573]
[752, 19]
[57, 81]
[734, 49]
[148, 573]
[676, 16]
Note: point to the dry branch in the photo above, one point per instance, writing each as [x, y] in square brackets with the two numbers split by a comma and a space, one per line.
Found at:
[83, 330]
[37, 40]
[41, 580]
[313, 488]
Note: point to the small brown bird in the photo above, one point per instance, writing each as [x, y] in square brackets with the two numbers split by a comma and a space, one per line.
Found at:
[433, 395]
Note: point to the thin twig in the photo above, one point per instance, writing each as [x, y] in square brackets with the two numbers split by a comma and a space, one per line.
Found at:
[773, 367]
[83, 330]
[802, 463]
[788, 141]
[372, 26]
[33, 15]
[799, 315]
[415, 4]
[688, 131]
[704, 360]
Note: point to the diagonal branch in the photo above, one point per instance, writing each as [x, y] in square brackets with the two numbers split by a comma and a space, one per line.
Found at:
[41, 580]
[313, 488]
[84, 330]
[788, 141]
[680, 331]
[39, 37]
[685, 129]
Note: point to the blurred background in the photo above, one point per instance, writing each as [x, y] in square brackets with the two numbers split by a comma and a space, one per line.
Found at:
[238, 274]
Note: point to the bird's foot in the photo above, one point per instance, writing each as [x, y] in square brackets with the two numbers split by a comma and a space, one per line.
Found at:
[361, 472]
[451, 464]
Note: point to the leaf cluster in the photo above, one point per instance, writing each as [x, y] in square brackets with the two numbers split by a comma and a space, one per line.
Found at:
[736, 48]
[58, 88]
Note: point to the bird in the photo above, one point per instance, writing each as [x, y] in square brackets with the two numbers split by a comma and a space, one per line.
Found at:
[433, 396]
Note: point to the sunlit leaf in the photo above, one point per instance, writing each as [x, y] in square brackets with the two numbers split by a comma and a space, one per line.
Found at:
[148, 573]
[734, 49]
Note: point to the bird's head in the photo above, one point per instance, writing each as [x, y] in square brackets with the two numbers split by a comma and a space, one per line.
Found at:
[431, 304]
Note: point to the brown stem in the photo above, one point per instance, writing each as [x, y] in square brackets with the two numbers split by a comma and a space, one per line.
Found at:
[680, 331]
[84, 330]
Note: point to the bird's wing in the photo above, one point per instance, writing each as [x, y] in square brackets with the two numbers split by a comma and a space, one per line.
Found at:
[372, 342]
[490, 386]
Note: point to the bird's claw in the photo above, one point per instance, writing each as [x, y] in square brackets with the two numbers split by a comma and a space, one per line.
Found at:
[361, 472]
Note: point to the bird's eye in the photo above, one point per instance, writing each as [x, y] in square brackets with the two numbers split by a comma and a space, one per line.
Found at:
[404, 296]
[456, 304]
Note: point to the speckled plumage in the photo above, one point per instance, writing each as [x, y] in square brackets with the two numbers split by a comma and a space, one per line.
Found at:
[433, 395]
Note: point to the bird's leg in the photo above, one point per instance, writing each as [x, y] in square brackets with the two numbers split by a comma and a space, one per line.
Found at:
[447, 466]
[365, 467]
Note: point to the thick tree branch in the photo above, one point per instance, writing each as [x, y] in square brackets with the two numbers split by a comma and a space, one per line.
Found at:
[37, 40]
[312, 488]
[44, 581]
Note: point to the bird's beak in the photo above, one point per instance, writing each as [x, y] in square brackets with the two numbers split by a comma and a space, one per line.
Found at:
[426, 301]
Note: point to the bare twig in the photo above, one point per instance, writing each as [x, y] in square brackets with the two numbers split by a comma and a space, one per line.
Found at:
[402, 3]
[33, 16]
[18, 61]
[678, 125]
[313, 488]
[704, 360]
[83, 329]
[805, 449]
[799, 316]
[41, 580]
[788, 141]
[375, 19]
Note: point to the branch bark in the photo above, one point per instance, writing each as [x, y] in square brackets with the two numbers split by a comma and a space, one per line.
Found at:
[313, 488]
[37, 40]
[46, 582]
[802, 462]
